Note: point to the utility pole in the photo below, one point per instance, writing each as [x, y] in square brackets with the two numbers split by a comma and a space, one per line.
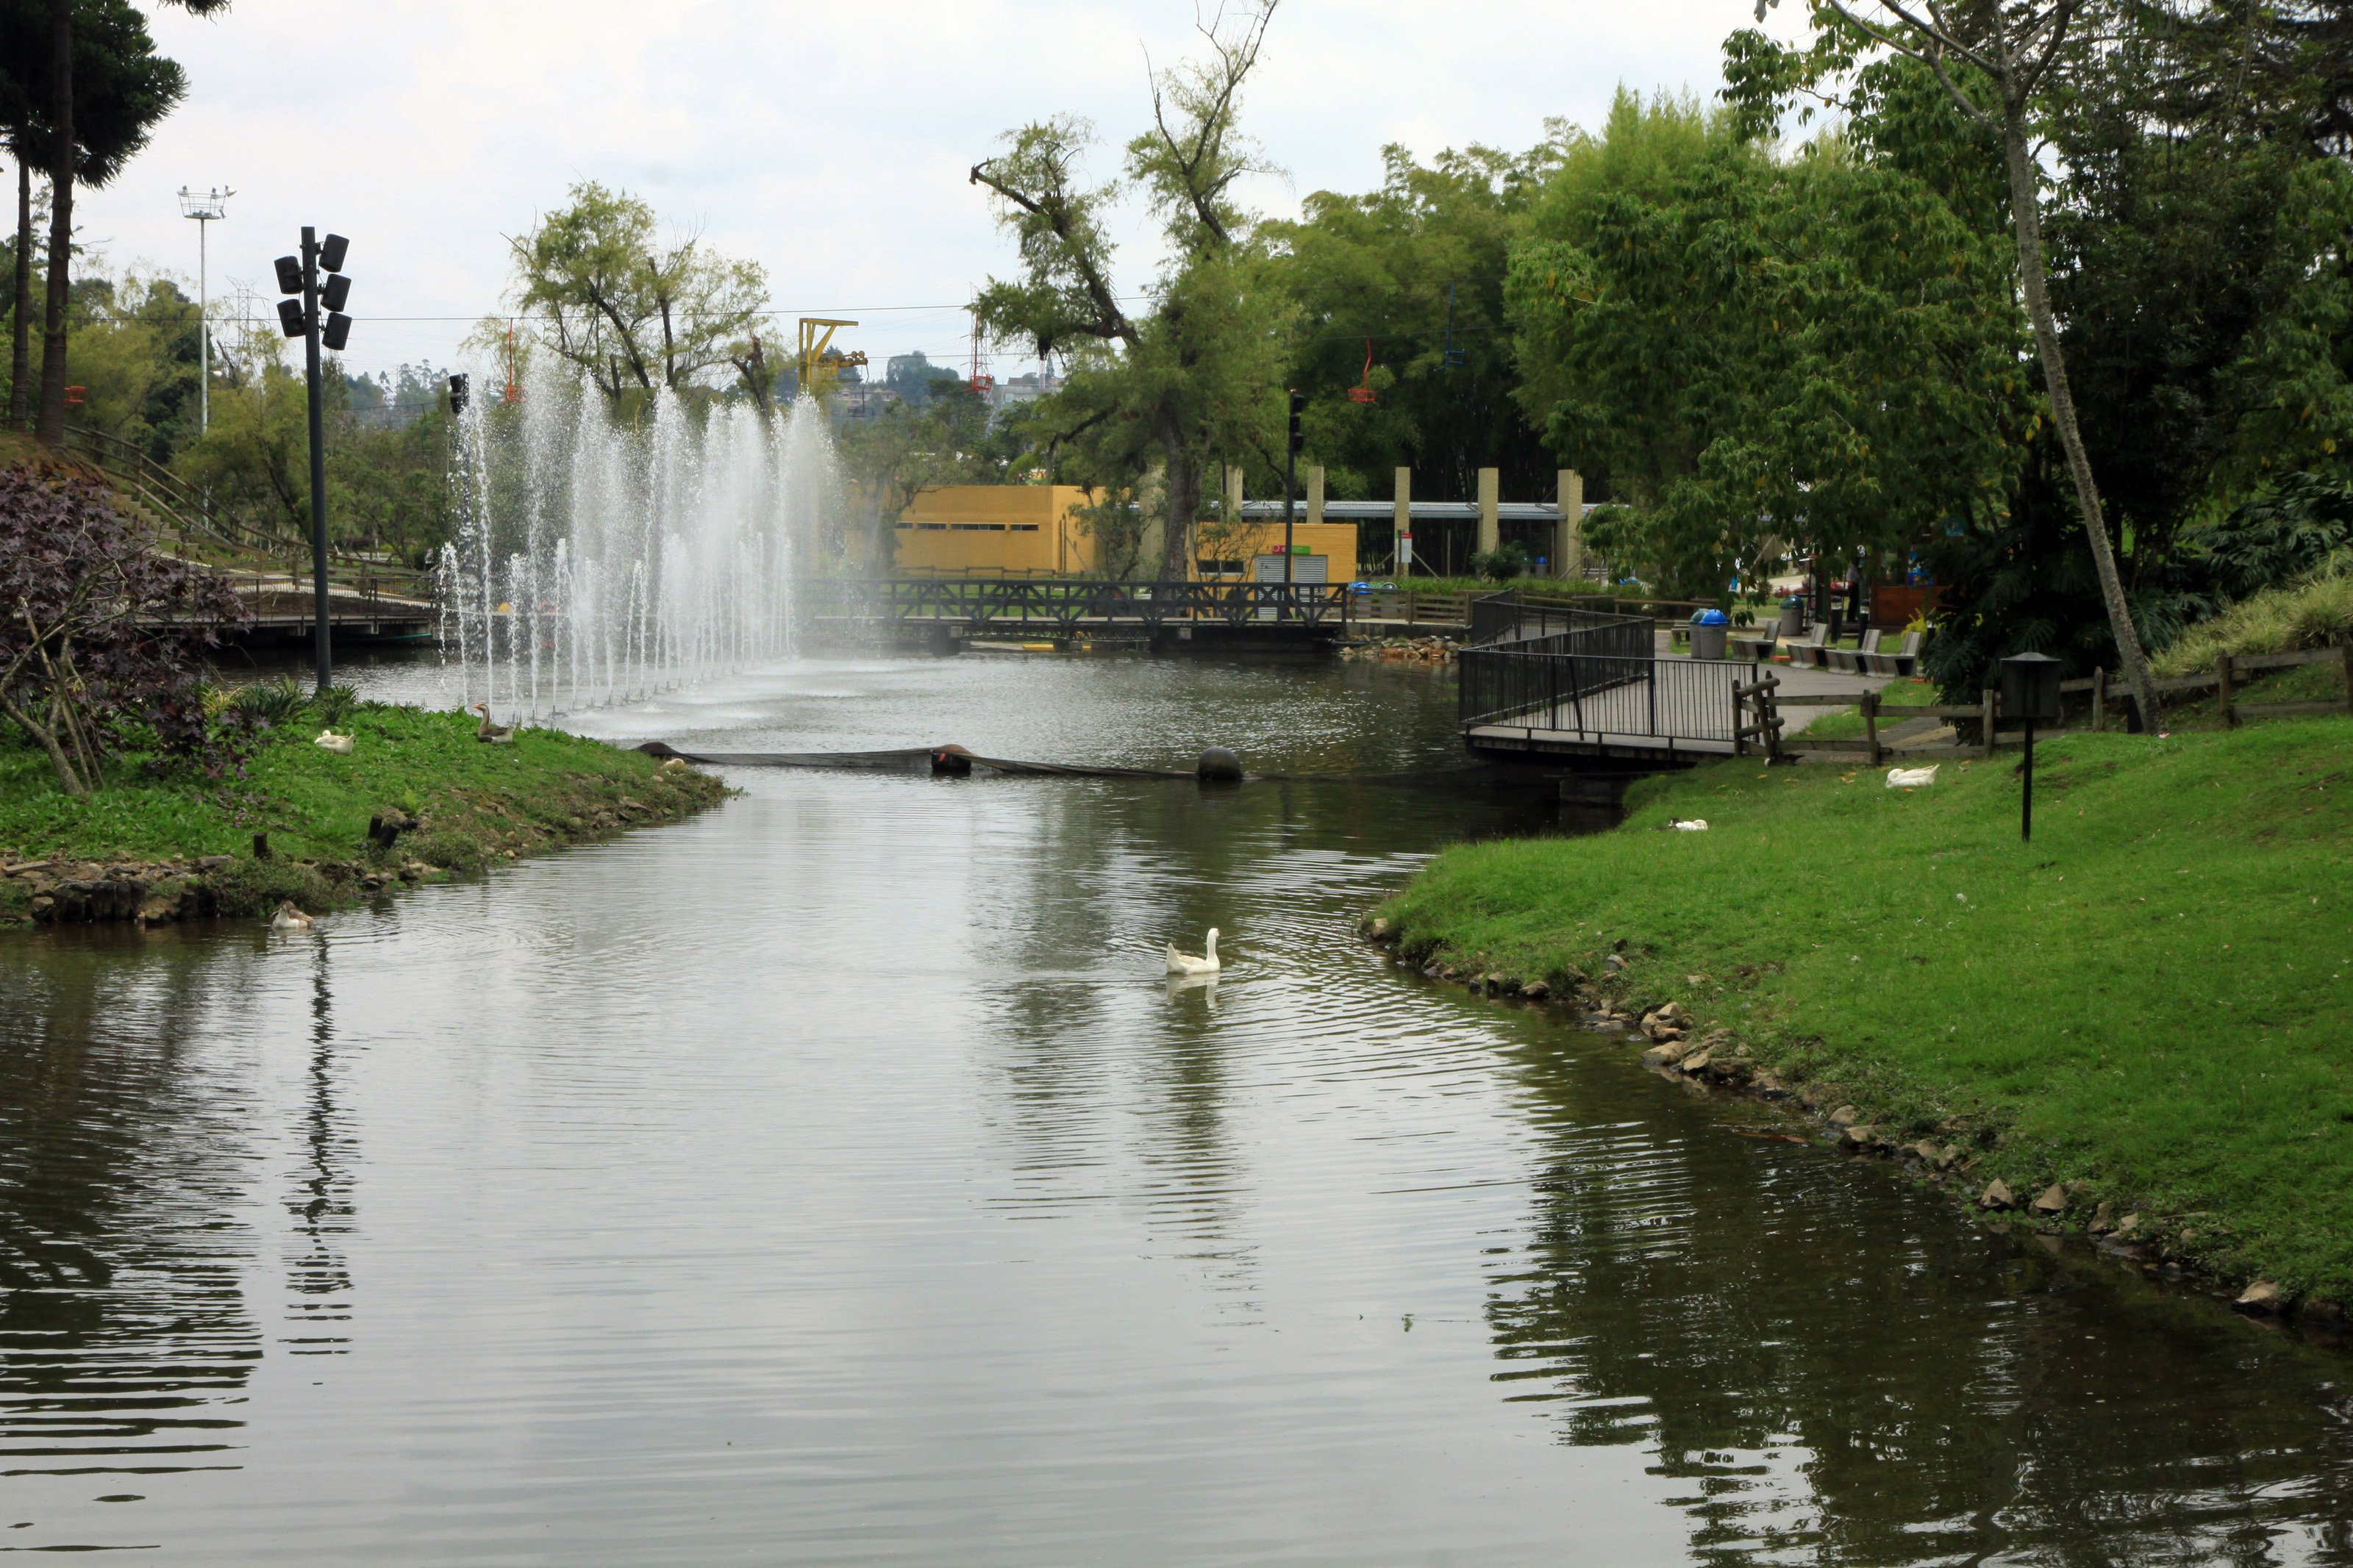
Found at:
[207, 210]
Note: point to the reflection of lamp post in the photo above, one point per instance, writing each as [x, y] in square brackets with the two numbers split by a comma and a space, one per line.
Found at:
[2030, 691]
[207, 210]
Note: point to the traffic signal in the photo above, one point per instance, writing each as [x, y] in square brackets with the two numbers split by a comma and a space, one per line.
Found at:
[1298, 408]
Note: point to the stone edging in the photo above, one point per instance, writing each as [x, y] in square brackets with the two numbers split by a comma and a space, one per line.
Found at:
[1717, 1061]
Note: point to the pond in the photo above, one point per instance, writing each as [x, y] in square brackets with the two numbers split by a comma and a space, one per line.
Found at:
[836, 1178]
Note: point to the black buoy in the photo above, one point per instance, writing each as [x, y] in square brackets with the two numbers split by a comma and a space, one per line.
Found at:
[1219, 765]
[951, 761]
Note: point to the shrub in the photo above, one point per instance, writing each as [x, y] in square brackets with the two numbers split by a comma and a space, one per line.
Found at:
[335, 704]
[1501, 563]
[99, 629]
[272, 703]
[2311, 614]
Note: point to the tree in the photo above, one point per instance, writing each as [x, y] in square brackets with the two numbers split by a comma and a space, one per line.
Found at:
[1759, 351]
[630, 310]
[903, 451]
[1201, 374]
[1411, 276]
[2007, 51]
[98, 630]
[106, 87]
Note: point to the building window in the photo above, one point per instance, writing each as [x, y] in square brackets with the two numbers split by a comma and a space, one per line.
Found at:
[978, 527]
[1025, 528]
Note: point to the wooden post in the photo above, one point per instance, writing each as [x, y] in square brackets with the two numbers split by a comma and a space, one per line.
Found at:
[2099, 697]
[1987, 720]
[1871, 726]
[2346, 651]
[1402, 525]
[2222, 670]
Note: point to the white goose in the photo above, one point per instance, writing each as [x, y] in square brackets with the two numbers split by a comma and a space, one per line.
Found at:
[329, 740]
[289, 918]
[1186, 963]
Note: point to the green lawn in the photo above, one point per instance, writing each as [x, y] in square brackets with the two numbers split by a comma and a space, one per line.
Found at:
[2151, 999]
[476, 801]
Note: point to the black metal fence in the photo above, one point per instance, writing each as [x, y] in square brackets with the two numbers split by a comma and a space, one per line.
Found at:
[1070, 605]
[1508, 619]
[1585, 690]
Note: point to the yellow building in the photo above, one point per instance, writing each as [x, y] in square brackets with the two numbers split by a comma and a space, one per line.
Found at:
[1035, 530]
[995, 530]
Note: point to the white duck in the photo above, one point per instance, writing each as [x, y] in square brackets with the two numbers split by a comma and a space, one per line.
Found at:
[329, 740]
[1186, 963]
[288, 918]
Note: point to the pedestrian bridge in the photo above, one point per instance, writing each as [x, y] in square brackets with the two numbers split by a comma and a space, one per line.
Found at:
[1546, 680]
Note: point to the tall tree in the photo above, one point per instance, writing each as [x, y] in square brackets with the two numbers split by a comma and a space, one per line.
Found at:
[106, 87]
[1996, 60]
[1200, 374]
[630, 309]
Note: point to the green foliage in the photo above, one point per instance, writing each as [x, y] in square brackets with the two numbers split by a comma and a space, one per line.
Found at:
[1151, 397]
[2316, 613]
[335, 705]
[1415, 270]
[2151, 999]
[1501, 564]
[272, 703]
[1760, 353]
[633, 311]
[2302, 525]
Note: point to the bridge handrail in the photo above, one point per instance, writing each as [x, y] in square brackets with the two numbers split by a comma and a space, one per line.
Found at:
[1071, 602]
[1681, 698]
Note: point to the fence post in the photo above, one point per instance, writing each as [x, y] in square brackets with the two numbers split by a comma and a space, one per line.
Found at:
[1987, 719]
[2222, 668]
[2099, 697]
[1871, 726]
[2344, 649]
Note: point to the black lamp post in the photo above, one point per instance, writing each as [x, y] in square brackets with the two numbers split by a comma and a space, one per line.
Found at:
[1298, 439]
[300, 319]
[2029, 692]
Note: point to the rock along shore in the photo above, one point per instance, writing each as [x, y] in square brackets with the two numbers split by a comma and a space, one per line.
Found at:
[1715, 1061]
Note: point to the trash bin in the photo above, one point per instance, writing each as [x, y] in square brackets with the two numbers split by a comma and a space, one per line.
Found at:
[1708, 630]
[1793, 616]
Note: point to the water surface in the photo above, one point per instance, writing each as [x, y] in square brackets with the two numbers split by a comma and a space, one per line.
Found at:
[834, 1179]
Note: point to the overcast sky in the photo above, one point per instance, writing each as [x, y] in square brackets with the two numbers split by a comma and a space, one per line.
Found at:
[829, 142]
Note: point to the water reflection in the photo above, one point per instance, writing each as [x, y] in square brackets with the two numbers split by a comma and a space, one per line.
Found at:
[837, 1178]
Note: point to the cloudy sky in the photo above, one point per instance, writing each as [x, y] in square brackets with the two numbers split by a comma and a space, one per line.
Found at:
[830, 143]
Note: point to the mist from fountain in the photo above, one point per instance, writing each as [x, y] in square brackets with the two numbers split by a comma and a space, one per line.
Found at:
[597, 562]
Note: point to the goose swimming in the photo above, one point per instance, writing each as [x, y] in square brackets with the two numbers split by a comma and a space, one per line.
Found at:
[1186, 963]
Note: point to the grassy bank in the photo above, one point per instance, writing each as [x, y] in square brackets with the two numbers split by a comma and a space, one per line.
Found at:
[2150, 1002]
[472, 804]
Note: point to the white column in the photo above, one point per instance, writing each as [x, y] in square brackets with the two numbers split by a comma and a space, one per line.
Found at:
[1402, 514]
[1568, 537]
[1490, 530]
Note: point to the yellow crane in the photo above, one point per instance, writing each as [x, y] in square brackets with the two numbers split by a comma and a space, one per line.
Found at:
[820, 363]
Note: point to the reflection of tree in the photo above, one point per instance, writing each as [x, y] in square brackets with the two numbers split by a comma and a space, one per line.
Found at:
[124, 1333]
[1098, 1061]
[1838, 1371]
[321, 1204]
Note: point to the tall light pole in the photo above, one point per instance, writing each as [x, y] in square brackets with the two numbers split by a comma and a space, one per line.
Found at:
[207, 210]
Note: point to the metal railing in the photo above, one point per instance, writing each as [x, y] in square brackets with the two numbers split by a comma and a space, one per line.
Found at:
[1511, 618]
[1566, 684]
[1070, 605]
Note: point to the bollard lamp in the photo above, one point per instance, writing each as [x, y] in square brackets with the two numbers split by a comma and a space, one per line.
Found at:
[2030, 694]
[2030, 687]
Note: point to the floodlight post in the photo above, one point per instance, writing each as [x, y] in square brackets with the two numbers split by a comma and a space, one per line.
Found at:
[317, 452]
[207, 210]
[2030, 691]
